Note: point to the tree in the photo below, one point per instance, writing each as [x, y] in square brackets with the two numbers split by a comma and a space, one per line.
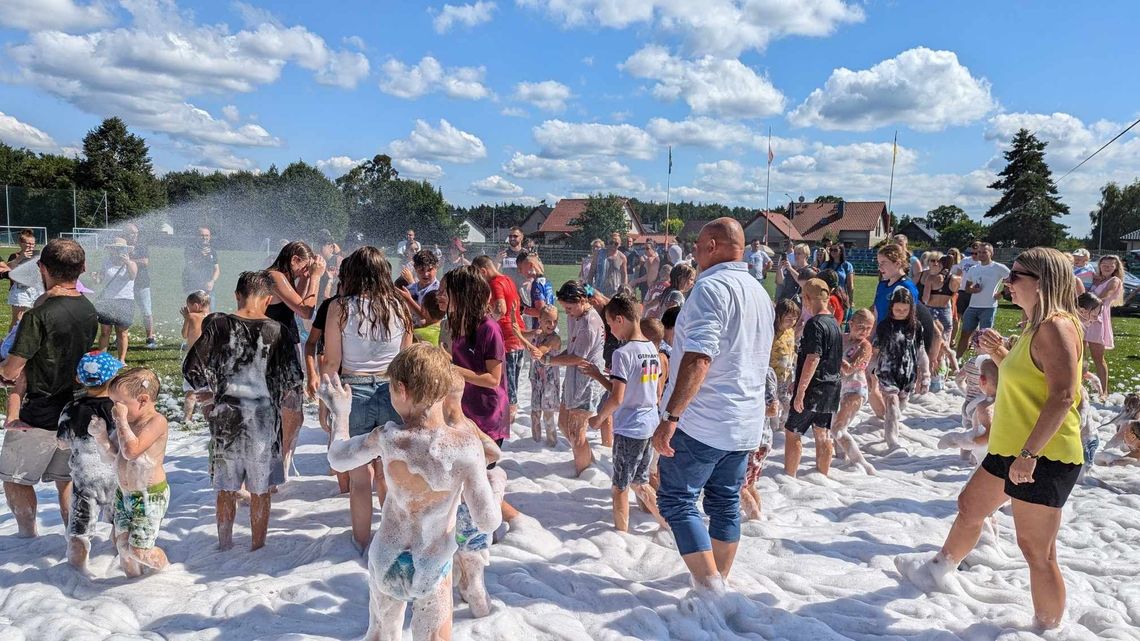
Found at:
[962, 233]
[118, 162]
[305, 201]
[603, 216]
[1119, 209]
[1029, 206]
[943, 216]
[828, 199]
[672, 226]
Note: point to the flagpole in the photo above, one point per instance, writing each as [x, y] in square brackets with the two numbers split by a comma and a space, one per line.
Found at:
[768, 187]
[891, 190]
[668, 182]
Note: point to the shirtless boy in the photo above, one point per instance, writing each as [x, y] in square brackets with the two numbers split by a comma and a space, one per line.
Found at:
[193, 313]
[138, 453]
[430, 467]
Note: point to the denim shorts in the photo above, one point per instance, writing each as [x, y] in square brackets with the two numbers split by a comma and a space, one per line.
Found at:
[514, 364]
[977, 318]
[371, 406]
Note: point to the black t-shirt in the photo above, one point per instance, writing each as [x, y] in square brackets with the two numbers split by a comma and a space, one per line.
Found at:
[320, 320]
[142, 279]
[821, 336]
[199, 267]
[76, 416]
[53, 337]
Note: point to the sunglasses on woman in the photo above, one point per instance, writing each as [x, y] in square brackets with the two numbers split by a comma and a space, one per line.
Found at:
[1016, 275]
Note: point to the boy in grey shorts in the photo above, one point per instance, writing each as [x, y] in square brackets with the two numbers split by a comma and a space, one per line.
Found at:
[635, 372]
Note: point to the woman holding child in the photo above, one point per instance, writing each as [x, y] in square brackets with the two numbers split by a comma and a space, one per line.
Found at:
[1035, 450]
[366, 328]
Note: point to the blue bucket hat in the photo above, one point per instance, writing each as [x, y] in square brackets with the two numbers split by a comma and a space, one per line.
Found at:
[97, 369]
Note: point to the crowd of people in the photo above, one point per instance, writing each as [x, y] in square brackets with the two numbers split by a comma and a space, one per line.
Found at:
[683, 364]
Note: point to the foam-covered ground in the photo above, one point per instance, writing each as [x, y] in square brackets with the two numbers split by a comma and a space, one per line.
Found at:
[818, 566]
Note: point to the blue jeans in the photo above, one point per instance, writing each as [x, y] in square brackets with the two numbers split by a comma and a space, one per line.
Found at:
[514, 364]
[371, 406]
[977, 318]
[693, 467]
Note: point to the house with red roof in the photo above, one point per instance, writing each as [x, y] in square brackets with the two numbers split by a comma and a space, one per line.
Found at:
[859, 225]
[773, 228]
[558, 225]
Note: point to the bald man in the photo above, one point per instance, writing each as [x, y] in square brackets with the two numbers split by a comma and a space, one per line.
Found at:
[714, 413]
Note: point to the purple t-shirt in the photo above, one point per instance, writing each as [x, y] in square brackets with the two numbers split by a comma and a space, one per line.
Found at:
[486, 406]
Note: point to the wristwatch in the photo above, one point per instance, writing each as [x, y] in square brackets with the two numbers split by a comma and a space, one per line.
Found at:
[672, 418]
[1027, 454]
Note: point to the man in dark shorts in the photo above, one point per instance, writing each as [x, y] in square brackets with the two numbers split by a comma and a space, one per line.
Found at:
[51, 340]
[200, 270]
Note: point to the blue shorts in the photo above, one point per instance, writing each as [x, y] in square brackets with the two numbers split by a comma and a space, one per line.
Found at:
[371, 406]
[399, 581]
[977, 318]
[514, 364]
[467, 536]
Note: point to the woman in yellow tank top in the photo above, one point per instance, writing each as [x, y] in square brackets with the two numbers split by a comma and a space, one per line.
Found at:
[1035, 449]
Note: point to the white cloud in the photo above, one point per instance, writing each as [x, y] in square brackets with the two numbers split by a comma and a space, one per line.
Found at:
[412, 168]
[710, 85]
[443, 143]
[705, 131]
[720, 27]
[496, 186]
[338, 166]
[514, 112]
[429, 75]
[344, 69]
[468, 15]
[210, 158]
[231, 113]
[579, 175]
[548, 95]
[147, 72]
[588, 61]
[566, 139]
[58, 15]
[20, 134]
[924, 89]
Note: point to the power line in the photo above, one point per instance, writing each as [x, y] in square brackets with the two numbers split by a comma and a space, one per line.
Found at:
[1099, 150]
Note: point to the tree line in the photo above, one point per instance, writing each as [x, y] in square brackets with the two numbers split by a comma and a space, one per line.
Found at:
[372, 201]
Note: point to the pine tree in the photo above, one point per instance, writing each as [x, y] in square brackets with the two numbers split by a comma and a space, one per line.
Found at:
[1029, 206]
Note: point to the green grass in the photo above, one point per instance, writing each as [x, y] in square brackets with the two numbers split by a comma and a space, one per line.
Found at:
[166, 288]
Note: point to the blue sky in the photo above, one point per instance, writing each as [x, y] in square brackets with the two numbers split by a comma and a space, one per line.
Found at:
[539, 99]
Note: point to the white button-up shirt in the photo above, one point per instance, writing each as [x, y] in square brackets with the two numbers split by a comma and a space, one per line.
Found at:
[729, 317]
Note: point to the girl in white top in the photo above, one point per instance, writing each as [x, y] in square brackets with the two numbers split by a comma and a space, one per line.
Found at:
[366, 328]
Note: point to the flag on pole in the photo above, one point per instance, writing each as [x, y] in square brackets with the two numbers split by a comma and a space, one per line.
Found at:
[771, 154]
[894, 149]
[670, 160]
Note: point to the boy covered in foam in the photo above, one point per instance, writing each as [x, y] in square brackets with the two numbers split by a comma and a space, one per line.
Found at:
[93, 480]
[430, 466]
[137, 452]
[193, 313]
[977, 413]
[242, 368]
[474, 546]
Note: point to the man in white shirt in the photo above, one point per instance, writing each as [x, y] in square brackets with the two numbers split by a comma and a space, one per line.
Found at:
[758, 261]
[984, 282]
[408, 242]
[714, 417]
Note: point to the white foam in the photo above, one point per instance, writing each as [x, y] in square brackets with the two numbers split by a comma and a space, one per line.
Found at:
[820, 565]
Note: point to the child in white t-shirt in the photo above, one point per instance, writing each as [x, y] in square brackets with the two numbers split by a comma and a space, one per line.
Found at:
[635, 371]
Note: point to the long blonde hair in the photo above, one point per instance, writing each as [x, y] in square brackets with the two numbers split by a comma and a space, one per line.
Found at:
[1117, 273]
[1055, 291]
